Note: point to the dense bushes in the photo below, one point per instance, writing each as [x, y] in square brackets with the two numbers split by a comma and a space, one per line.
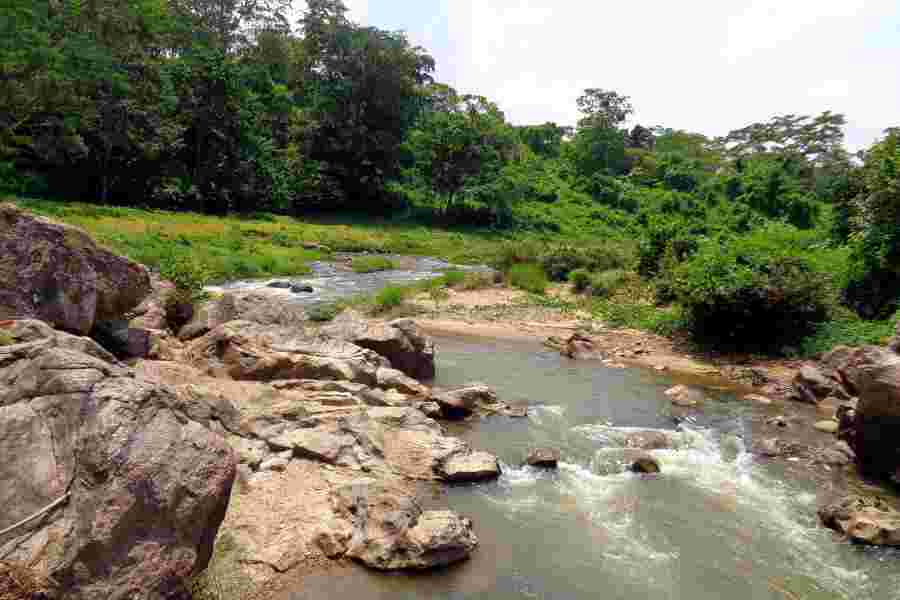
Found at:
[758, 292]
[528, 277]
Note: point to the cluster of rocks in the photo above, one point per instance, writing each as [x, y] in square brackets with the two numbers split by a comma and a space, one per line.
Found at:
[295, 441]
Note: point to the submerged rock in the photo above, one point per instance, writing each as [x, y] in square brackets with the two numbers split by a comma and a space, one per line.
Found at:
[280, 285]
[58, 274]
[389, 530]
[543, 457]
[302, 289]
[867, 520]
[138, 487]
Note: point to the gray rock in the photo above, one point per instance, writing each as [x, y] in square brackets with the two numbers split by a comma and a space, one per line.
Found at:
[390, 530]
[461, 402]
[280, 285]
[543, 457]
[302, 289]
[144, 486]
[57, 274]
[876, 423]
[470, 467]
[401, 341]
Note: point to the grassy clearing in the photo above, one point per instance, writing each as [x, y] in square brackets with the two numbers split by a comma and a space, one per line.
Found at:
[371, 264]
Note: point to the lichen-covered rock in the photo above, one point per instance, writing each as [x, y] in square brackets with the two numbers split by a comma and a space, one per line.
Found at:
[390, 530]
[143, 487]
[58, 274]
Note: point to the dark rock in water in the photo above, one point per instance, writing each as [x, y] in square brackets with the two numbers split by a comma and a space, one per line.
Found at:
[645, 463]
[302, 289]
[280, 285]
[461, 402]
[58, 274]
[543, 457]
[863, 519]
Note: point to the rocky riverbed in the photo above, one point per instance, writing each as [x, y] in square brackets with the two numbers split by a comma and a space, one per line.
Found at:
[242, 440]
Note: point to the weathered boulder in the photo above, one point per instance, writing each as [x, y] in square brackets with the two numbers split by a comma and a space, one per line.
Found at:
[248, 351]
[461, 402]
[208, 316]
[547, 458]
[58, 274]
[812, 384]
[137, 488]
[877, 418]
[866, 520]
[389, 530]
[683, 395]
[469, 467]
[401, 341]
[578, 346]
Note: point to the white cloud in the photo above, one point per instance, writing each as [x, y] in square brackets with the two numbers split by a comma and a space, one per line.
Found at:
[704, 65]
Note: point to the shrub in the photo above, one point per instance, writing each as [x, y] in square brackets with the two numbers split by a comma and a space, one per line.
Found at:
[561, 260]
[477, 281]
[604, 284]
[453, 278]
[848, 329]
[510, 254]
[388, 298]
[759, 292]
[528, 277]
[321, 313]
[581, 279]
[372, 264]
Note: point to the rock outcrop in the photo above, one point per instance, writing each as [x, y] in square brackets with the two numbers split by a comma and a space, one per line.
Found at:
[57, 274]
[876, 425]
[400, 341]
[389, 530]
[137, 488]
[865, 520]
[458, 403]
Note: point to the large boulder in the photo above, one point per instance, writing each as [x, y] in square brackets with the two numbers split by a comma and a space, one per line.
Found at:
[133, 489]
[877, 416]
[865, 520]
[389, 530]
[400, 341]
[58, 274]
[812, 384]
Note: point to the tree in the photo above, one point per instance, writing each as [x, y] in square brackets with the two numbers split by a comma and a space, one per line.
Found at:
[813, 139]
[544, 140]
[603, 108]
[461, 147]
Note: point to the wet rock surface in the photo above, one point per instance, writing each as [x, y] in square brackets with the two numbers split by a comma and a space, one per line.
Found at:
[865, 520]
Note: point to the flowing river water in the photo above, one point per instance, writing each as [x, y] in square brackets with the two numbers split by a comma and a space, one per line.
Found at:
[718, 523]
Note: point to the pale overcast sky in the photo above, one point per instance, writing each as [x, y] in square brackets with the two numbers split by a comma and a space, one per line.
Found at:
[703, 65]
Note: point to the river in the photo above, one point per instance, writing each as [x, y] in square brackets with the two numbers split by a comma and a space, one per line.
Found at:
[717, 523]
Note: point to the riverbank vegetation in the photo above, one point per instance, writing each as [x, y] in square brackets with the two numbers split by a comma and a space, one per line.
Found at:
[214, 139]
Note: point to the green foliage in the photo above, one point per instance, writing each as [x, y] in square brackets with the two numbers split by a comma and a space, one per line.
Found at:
[847, 329]
[560, 260]
[528, 277]
[322, 313]
[453, 278]
[371, 264]
[636, 315]
[761, 291]
[580, 279]
[604, 284]
[388, 298]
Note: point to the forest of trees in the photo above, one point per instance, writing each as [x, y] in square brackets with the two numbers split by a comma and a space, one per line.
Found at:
[243, 106]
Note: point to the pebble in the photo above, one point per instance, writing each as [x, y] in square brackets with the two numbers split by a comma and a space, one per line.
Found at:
[827, 426]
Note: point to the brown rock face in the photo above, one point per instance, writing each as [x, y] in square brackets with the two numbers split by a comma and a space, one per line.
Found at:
[400, 341]
[864, 520]
[56, 273]
[877, 419]
[142, 487]
[461, 402]
[389, 530]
